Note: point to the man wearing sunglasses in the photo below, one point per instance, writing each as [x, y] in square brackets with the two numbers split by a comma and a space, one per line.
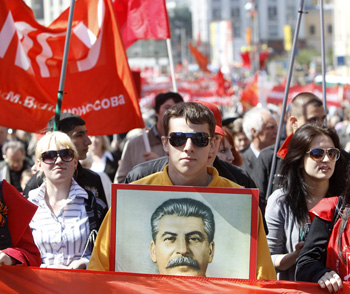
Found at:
[74, 126]
[225, 169]
[189, 140]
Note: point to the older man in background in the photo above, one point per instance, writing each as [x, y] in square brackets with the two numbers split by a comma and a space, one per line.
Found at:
[261, 129]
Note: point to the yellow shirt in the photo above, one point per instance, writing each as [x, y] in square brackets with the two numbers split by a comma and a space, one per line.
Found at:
[100, 256]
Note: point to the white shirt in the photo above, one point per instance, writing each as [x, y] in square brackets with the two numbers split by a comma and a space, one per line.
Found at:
[61, 239]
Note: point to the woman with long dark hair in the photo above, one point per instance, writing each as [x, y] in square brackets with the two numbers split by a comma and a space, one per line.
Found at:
[313, 169]
[324, 258]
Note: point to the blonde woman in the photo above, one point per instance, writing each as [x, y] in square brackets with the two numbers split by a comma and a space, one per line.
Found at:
[66, 213]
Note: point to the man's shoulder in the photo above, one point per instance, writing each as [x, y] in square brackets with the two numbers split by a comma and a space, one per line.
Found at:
[234, 173]
[87, 173]
[146, 168]
[153, 179]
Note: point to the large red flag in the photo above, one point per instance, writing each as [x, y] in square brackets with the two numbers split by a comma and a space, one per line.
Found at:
[99, 83]
[142, 19]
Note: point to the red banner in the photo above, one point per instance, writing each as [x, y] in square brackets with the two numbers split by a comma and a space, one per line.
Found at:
[34, 280]
[142, 19]
[276, 95]
[99, 83]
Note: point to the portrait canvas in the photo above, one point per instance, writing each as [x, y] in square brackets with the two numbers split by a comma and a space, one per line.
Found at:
[235, 213]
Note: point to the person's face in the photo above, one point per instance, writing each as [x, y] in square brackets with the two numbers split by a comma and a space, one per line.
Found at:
[59, 171]
[267, 135]
[96, 143]
[313, 115]
[319, 170]
[14, 159]
[241, 141]
[187, 161]
[225, 151]
[162, 109]
[182, 237]
[81, 141]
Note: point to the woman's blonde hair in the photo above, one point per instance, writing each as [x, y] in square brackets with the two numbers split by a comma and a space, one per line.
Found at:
[59, 138]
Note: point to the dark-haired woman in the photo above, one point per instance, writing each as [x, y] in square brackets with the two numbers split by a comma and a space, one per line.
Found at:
[312, 170]
[325, 256]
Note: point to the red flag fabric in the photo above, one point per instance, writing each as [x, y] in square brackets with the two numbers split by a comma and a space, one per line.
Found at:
[250, 95]
[17, 279]
[201, 59]
[245, 55]
[142, 19]
[98, 83]
[223, 85]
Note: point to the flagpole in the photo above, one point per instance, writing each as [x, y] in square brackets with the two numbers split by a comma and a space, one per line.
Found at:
[324, 91]
[284, 105]
[171, 63]
[64, 67]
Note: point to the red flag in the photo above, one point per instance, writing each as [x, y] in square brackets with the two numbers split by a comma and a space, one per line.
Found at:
[202, 60]
[222, 84]
[246, 58]
[250, 95]
[142, 19]
[99, 83]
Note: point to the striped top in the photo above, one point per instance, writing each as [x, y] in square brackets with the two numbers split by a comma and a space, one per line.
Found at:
[61, 239]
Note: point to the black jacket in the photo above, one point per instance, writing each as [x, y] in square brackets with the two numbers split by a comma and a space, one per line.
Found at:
[225, 169]
[311, 263]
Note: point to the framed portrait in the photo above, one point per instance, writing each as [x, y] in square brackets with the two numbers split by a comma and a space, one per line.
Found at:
[158, 229]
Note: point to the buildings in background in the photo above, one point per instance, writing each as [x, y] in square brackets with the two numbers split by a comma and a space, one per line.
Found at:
[253, 23]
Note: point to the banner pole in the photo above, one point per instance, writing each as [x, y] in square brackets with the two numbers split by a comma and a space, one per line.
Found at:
[171, 63]
[324, 91]
[285, 99]
[64, 67]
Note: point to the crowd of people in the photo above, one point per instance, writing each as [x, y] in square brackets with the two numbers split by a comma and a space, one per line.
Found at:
[66, 177]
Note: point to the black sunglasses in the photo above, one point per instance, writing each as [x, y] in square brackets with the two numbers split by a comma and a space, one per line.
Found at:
[50, 157]
[178, 139]
[318, 154]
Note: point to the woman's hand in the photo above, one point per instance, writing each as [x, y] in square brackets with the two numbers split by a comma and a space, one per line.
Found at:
[5, 259]
[77, 264]
[331, 281]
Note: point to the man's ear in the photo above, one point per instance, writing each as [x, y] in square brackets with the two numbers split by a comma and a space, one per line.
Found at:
[211, 251]
[165, 143]
[152, 252]
[212, 145]
[253, 132]
[294, 123]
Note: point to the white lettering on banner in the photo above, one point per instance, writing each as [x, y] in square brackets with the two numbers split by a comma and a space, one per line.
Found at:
[6, 34]
[82, 32]
[23, 29]
[30, 102]
[24, 43]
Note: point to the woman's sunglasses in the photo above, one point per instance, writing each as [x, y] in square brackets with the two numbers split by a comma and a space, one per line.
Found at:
[178, 139]
[318, 154]
[50, 157]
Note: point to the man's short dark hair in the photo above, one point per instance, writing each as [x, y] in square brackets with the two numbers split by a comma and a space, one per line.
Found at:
[184, 207]
[163, 97]
[194, 112]
[301, 101]
[68, 121]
